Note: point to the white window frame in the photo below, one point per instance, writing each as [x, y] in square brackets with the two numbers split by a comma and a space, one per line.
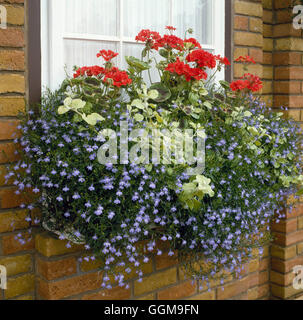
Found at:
[53, 36]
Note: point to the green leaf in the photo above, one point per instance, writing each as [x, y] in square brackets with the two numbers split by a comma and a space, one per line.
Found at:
[138, 104]
[195, 116]
[163, 92]
[78, 104]
[189, 187]
[153, 94]
[208, 105]
[149, 167]
[92, 118]
[137, 64]
[68, 101]
[203, 92]
[163, 53]
[138, 117]
[63, 109]
[77, 118]
[193, 98]
[224, 84]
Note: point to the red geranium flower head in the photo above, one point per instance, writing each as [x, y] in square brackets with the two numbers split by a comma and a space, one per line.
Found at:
[202, 58]
[248, 82]
[169, 41]
[107, 55]
[246, 59]
[89, 71]
[117, 77]
[148, 36]
[182, 69]
[194, 42]
[222, 60]
[170, 28]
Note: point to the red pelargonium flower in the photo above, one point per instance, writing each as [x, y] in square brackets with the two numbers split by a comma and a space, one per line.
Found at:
[170, 28]
[89, 71]
[249, 82]
[119, 78]
[169, 41]
[107, 55]
[194, 42]
[222, 60]
[202, 58]
[246, 59]
[183, 69]
[146, 35]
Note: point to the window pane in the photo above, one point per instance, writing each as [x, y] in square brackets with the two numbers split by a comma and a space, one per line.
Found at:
[195, 14]
[145, 14]
[92, 16]
[83, 53]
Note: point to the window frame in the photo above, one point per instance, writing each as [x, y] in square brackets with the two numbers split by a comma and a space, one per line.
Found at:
[35, 44]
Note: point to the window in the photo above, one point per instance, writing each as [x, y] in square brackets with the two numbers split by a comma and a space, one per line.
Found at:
[73, 31]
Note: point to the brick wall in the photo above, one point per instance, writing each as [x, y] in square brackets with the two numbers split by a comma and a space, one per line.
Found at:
[45, 269]
[287, 250]
[62, 273]
[19, 260]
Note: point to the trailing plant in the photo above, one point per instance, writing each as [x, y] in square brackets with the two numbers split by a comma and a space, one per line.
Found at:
[211, 220]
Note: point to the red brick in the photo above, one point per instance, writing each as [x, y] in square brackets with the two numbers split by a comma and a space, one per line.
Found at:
[51, 270]
[296, 212]
[264, 291]
[257, 54]
[264, 264]
[13, 220]
[241, 23]
[285, 226]
[287, 87]
[286, 266]
[8, 129]
[180, 291]
[290, 101]
[9, 199]
[267, 58]
[263, 277]
[11, 245]
[12, 60]
[285, 30]
[282, 4]
[116, 293]
[15, 1]
[289, 73]
[233, 289]
[11, 37]
[165, 261]
[284, 16]
[289, 238]
[69, 287]
[286, 58]
[281, 278]
[7, 153]
[11, 106]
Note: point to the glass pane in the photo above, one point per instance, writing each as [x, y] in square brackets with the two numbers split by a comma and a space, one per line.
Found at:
[83, 53]
[92, 16]
[195, 14]
[145, 14]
